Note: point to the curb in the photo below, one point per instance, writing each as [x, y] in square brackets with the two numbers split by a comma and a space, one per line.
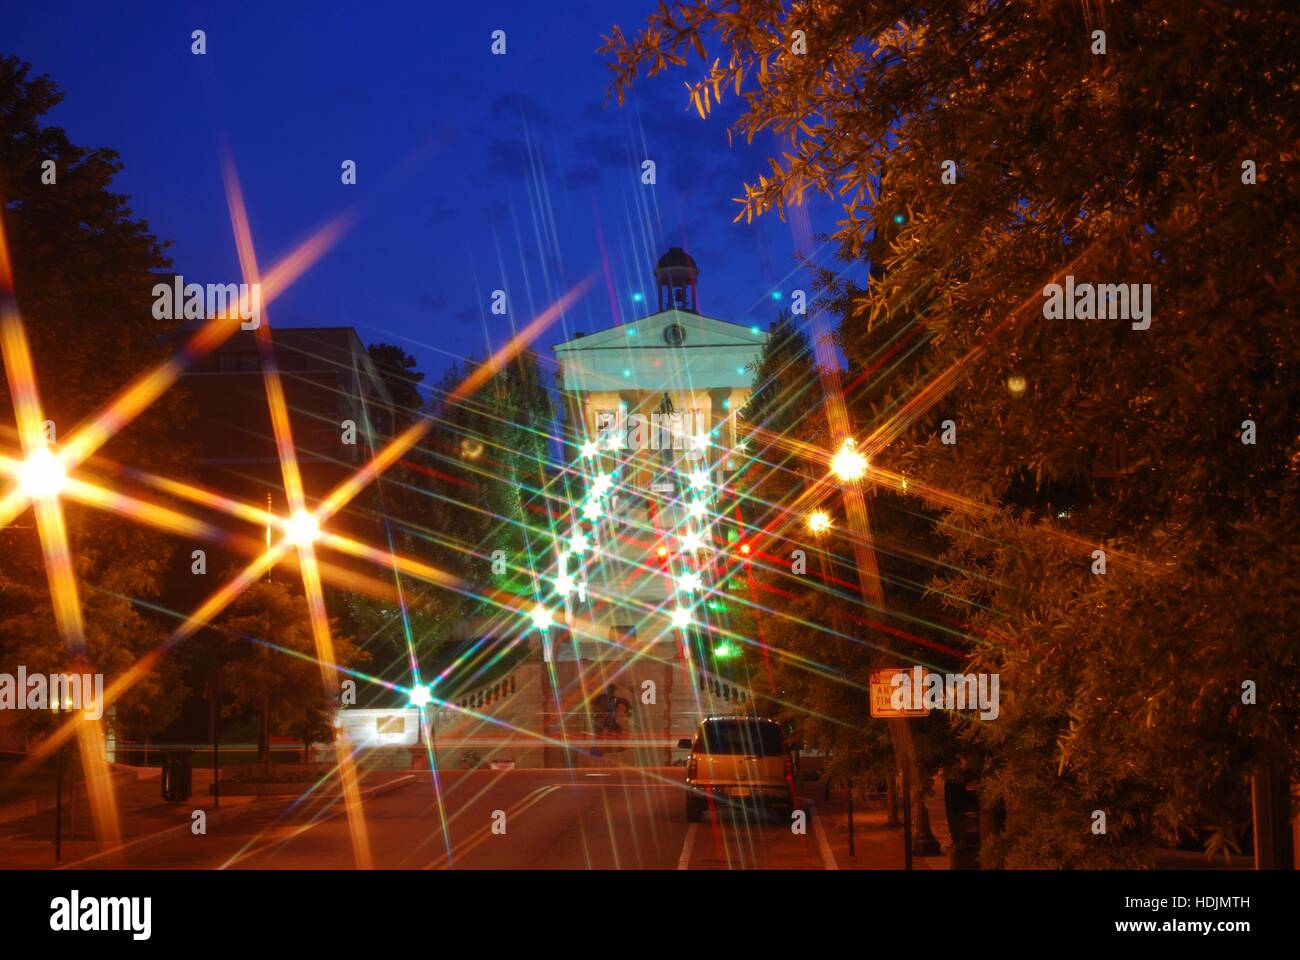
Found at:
[180, 830]
[35, 806]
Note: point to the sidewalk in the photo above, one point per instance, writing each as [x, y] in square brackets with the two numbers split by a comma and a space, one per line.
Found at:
[876, 845]
[29, 843]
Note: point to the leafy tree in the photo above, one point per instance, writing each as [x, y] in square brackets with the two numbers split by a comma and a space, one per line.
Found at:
[471, 488]
[279, 675]
[1168, 160]
[397, 369]
[84, 270]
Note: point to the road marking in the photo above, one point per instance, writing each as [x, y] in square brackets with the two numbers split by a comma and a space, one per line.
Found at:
[275, 835]
[828, 858]
[684, 861]
[483, 834]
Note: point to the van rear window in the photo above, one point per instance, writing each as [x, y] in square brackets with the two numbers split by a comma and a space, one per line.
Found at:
[740, 737]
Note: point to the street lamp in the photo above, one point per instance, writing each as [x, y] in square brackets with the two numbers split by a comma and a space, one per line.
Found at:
[542, 618]
[819, 521]
[848, 463]
[302, 528]
[419, 696]
[692, 541]
[42, 475]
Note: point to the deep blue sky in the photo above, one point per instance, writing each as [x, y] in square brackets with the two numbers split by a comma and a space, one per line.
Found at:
[474, 171]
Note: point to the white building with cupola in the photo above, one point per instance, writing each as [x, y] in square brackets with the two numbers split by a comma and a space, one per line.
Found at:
[630, 615]
[652, 409]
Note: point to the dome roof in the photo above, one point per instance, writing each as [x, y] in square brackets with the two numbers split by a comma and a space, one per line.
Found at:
[677, 260]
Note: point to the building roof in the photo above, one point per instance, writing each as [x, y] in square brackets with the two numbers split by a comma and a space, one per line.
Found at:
[669, 350]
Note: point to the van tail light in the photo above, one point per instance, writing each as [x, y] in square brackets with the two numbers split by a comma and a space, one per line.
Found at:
[692, 767]
[789, 768]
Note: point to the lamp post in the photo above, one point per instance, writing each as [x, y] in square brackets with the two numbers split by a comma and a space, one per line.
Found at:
[58, 800]
[849, 465]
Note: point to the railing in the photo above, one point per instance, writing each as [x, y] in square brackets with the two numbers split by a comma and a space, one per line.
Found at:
[484, 696]
[722, 688]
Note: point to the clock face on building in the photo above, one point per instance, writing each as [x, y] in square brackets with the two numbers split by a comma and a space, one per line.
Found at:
[674, 335]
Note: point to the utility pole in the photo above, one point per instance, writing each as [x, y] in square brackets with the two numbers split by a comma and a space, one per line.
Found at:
[214, 717]
[58, 806]
[851, 848]
[907, 816]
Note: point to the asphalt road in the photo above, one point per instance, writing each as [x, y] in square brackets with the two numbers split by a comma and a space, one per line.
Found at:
[551, 819]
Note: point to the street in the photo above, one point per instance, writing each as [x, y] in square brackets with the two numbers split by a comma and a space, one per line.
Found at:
[618, 818]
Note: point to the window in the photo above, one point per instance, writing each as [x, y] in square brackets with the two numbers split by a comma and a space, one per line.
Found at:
[743, 737]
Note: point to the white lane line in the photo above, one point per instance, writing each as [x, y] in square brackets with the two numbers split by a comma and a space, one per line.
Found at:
[828, 858]
[684, 861]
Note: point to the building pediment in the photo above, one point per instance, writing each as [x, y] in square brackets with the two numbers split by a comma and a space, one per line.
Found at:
[649, 333]
[673, 349]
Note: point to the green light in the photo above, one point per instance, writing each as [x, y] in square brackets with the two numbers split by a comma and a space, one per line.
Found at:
[726, 651]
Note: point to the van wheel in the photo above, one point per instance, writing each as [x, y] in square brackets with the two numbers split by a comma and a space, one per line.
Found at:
[694, 808]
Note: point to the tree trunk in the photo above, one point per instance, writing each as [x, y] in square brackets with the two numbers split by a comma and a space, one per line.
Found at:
[1270, 796]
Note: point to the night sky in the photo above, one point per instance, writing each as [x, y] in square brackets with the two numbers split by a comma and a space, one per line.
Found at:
[474, 171]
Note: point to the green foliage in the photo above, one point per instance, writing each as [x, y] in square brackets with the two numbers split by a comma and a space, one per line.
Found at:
[84, 269]
[1123, 691]
[397, 369]
[279, 670]
[469, 489]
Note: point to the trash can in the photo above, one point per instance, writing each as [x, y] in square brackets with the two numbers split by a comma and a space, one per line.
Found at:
[177, 776]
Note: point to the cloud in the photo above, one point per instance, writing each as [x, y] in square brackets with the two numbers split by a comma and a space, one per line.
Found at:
[508, 158]
[511, 106]
[468, 316]
[604, 148]
[585, 176]
[596, 111]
